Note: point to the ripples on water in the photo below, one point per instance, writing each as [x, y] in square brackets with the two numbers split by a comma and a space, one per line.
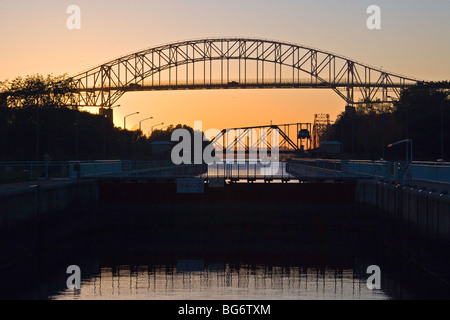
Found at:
[222, 282]
[221, 250]
[249, 251]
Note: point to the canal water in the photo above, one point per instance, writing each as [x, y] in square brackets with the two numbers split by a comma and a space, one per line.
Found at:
[248, 170]
[219, 249]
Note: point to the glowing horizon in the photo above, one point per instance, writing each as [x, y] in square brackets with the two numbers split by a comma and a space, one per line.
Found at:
[411, 42]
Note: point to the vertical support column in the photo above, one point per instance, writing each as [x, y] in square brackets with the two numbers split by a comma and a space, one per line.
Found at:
[221, 62]
[257, 63]
[293, 64]
[193, 65]
[313, 66]
[176, 66]
[228, 62]
[275, 60]
[210, 64]
[279, 60]
[142, 70]
[170, 65]
[187, 65]
[239, 60]
[204, 63]
[262, 64]
[245, 62]
[350, 82]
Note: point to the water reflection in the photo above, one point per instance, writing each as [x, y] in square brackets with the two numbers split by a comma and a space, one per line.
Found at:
[222, 250]
[248, 170]
[220, 281]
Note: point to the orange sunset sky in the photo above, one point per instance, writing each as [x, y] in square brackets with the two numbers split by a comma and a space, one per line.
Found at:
[413, 40]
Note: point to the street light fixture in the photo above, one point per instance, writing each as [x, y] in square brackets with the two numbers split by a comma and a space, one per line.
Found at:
[410, 151]
[406, 169]
[140, 122]
[125, 119]
[159, 124]
[441, 107]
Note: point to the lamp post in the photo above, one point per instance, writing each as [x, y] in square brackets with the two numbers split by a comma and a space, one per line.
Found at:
[37, 128]
[384, 131]
[159, 124]
[140, 122]
[441, 106]
[104, 119]
[110, 114]
[125, 119]
[411, 148]
[409, 161]
[76, 131]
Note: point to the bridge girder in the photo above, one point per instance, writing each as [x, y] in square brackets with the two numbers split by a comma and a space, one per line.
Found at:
[251, 140]
[235, 63]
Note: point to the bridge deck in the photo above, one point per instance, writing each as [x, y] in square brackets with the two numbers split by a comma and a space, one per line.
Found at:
[156, 86]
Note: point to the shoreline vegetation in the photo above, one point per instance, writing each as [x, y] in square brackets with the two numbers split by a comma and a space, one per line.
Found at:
[35, 121]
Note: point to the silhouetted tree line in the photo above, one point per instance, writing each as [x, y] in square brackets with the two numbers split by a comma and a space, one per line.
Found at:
[422, 114]
[166, 134]
[35, 120]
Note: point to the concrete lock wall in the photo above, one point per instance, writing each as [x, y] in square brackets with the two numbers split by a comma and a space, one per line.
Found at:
[420, 210]
[25, 204]
[17, 206]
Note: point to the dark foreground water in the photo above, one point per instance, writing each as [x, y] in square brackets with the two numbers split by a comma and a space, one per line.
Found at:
[221, 250]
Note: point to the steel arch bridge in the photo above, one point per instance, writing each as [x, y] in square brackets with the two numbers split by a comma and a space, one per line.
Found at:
[231, 63]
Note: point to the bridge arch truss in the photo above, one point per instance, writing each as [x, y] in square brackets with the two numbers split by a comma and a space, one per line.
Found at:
[231, 63]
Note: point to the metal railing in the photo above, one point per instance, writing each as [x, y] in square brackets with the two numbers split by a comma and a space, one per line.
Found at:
[312, 168]
[151, 169]
[16, 171]
[228, 171]
[132, 169]
[250, 171]
[32, 170]
[426, 171]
